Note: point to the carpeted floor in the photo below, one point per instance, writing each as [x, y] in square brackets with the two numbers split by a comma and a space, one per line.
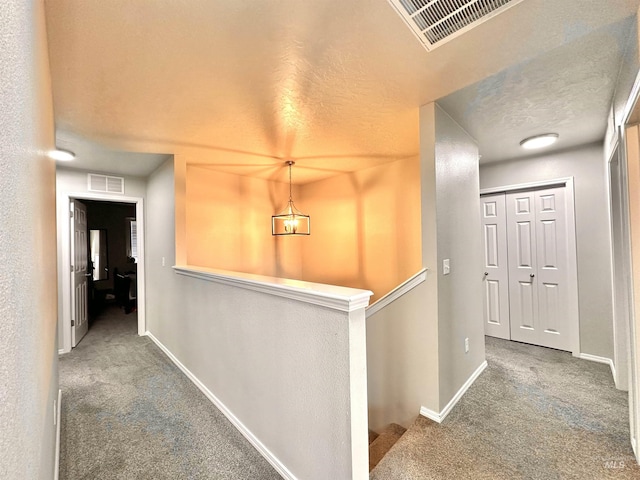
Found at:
[535, 413]
[129, 413]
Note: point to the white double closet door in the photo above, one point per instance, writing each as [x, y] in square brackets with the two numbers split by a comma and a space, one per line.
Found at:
[527, 259]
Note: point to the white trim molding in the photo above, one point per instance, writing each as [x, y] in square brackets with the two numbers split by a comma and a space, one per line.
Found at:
[439, 417]
[555, 182]
[597, 359]
[257, 444]
[56, 465]
[397, 292]
[336, 298]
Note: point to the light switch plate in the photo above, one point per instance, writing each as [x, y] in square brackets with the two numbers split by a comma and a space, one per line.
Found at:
[446, 267]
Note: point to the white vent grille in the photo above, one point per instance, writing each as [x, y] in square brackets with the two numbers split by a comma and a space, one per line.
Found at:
[104, 183]
[435, 22]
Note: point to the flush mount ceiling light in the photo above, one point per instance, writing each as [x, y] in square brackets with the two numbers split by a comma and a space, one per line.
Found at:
[291, 221]
[539, 141]
[62, 155]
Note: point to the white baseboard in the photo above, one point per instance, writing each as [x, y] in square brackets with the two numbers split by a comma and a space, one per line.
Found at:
[595, 358]
[62, 351]
[56, 466]
[439, 417]
[258, 445]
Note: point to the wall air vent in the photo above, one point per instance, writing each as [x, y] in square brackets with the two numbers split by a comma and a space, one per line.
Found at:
[435, 22]
[105, 184]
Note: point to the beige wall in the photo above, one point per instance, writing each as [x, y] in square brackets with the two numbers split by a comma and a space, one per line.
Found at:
[228, 224]
[633, 178]
[365, 227]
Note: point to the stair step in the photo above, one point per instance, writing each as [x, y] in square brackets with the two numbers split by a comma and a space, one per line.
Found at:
[372, 436]
[383, 443]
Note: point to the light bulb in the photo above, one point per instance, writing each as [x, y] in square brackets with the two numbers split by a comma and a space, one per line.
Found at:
[62, 155]
[291, 225]
[539, 141]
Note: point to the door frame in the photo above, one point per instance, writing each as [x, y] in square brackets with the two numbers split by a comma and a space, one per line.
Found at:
[621, 312]
[634, 322]
[64, 236]
[572, 267]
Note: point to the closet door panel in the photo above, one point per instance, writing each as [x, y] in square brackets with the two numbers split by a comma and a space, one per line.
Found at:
[552, 251]
[521, 246]
[495, 275]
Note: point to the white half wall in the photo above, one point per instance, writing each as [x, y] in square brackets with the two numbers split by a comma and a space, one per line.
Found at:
[29, 365]
[290, 374]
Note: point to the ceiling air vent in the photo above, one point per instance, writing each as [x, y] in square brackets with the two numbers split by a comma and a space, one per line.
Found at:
[106, 184]
[435, 22]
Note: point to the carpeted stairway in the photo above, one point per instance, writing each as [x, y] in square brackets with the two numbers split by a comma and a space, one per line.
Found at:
[128, 413]
[379, 445]
[535, 413]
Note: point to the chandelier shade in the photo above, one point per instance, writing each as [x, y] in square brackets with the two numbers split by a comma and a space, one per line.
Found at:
[290, 221]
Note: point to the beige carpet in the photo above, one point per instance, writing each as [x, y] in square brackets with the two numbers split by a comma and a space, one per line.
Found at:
[129, 414]
[535, 413]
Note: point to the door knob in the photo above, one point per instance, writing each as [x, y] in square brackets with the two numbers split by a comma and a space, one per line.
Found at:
[486, 273]
[532, 275]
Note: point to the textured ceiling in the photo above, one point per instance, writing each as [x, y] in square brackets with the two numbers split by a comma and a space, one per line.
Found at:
[334, 85]
[95, 157]
[567, 90]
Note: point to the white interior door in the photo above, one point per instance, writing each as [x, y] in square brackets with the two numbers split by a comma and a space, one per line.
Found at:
[79, 272]
[523, 298]
[551, 229]
[538, 266]
[496, 268]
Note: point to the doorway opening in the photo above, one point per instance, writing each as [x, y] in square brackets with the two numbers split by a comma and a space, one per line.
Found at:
[114, 274]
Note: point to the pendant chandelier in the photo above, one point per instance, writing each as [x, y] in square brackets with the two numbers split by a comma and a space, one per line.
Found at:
[291, 221]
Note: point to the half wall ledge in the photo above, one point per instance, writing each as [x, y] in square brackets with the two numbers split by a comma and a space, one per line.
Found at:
[344, 299]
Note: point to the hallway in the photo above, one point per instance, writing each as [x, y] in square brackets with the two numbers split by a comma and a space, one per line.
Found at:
[535, 413]
[129, 413]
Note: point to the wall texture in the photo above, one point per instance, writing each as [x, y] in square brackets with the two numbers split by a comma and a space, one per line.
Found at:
[228, 224]
[593, 240]
[458, 225]
[366, 227]
[29, 365]
[402, 359]
[627, 76]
